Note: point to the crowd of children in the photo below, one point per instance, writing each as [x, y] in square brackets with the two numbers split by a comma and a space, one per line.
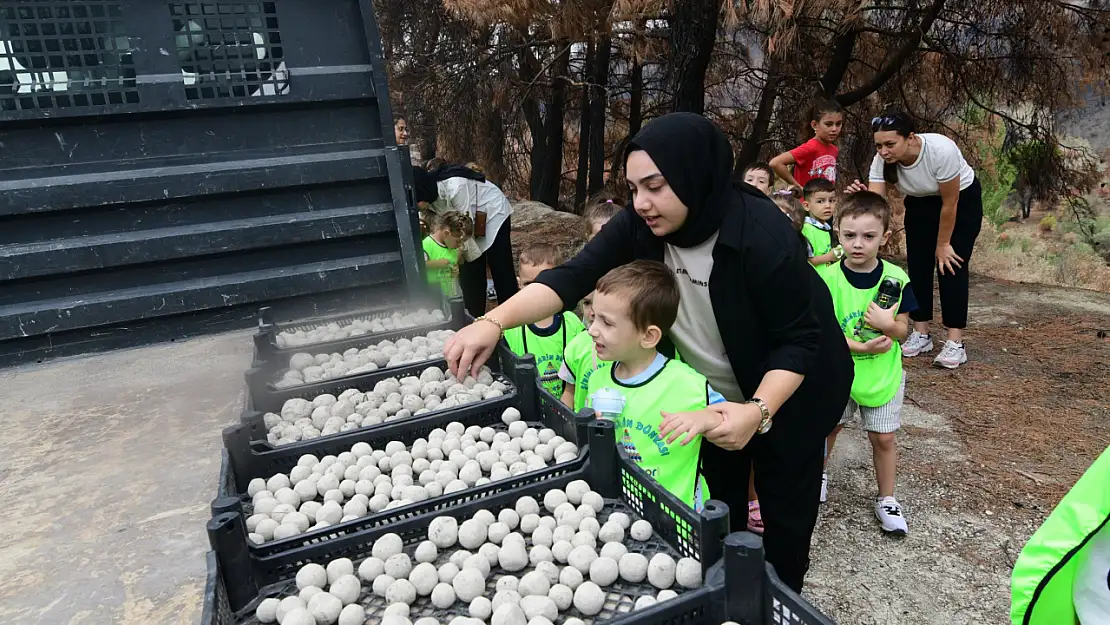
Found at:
[617, 361]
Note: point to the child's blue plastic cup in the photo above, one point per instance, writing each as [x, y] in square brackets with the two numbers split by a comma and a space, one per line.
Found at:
[608, 403]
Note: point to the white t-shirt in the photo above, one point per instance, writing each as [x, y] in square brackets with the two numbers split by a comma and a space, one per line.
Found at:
[695, 332]
[1090, 592]
[465, 195]
[940, 161]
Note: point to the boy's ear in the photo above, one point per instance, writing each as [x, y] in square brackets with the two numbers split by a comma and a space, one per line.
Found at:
[886, 236]
[651, 337]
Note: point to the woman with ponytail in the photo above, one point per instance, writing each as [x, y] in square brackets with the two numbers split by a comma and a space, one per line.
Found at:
[944, 212]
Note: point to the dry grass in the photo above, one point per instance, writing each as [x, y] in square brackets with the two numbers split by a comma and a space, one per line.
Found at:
[1039, 258]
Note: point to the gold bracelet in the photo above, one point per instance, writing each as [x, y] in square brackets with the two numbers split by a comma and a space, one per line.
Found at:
[500, 327]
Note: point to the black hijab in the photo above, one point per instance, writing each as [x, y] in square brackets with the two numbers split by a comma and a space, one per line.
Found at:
[424, 182]
[696, 159]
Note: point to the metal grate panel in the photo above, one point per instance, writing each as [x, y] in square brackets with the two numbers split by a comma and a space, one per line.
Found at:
[61, 54]
[229, 49]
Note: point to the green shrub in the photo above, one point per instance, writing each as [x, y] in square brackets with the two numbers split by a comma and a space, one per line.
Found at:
[1048, 223]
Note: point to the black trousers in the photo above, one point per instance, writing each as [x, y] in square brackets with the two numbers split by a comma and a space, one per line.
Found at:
[788, 480]
[922, 225]
[472, 275]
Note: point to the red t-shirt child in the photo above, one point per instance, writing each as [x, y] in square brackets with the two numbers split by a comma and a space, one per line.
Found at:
[814, 159]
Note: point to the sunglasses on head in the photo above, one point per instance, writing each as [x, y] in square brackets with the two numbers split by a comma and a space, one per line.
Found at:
[884, 120]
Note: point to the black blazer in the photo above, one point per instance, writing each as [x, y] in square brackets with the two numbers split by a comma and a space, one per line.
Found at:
[772, 309]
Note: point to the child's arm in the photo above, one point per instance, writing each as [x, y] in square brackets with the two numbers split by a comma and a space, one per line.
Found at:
[694, 423]
[886, 321]
[569, 384]
[568, 396]
[439, 263]
[824, 259]
[781, 164]
[877, 345]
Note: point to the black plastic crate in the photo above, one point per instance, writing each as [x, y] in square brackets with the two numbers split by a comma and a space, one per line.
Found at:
[266, 346]
[741, 588]
[262, 397]
[248, 576]
[243, 460]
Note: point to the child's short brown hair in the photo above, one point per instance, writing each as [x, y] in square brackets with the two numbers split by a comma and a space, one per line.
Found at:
[759, 166]
[789, 204]
[651, 290]
[604, 205]
[458, 224]
[539, 254]
[865, 203]
[817, 185]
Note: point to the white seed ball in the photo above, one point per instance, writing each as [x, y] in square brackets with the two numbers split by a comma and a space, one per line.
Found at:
[529, 523]
[347, 589]
[553, 498]
[611, 532]
[507, 582]
[454, 487]
[468, 584]
[540, 553]
[352, 614]
[561, 550]
[481, 608]
[584, 538]
[590, 524]
[324, 608]
[312, 574]
[534, 583]
[633, 567]
[563, 509]
[527, 505]
[286, 530]
[443, 531]
[394, 619]
[288, 605]
[398, 565]
[613, 550]
[288, 497]
[479, 563]
[472, 533]
[447, 572]
[426, 552]
[397, 609]
[485, 517]
[542, 536]
[562, 595]
[589, 598]
[443, 595]
[256, 486]
[603, 571]
[575, 490]
[581, 557]
[621, 519]
[424, 578]
[402, 591]
[539, 605]
[509, 518]
[664, 595]
[508, 614]
[661, 571]
[267, 610]
[688, 573]
[641, 530]
[593, 500]
[513, 556]
[381, 584]
[427, 620]
[510, 415]
[490, 552]
[571, 519]
[338, 568]
[370, 569]
[298, 616]
[571, 577]
[645, 601]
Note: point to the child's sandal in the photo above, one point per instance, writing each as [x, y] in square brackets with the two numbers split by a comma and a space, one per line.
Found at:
[755, 518]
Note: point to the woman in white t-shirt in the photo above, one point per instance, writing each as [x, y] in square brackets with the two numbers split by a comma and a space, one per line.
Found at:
[944, 212]
[461, 189]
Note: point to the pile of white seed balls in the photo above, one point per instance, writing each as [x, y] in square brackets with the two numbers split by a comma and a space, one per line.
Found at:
[319, 492]
[391, 399]
[562, 568]
[305, 368]
[358, 327]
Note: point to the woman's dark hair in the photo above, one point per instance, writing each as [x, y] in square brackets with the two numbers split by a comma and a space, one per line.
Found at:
[900, 123]
[433, 164]
[818, 109]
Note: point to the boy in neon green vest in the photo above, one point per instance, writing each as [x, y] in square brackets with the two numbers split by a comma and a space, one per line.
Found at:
[1062, 576]
[873, 306]
[545, 340]
[441, 249]
[819, 200]
[633, 306]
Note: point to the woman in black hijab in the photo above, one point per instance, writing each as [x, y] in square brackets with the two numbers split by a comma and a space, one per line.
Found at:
[754, 318]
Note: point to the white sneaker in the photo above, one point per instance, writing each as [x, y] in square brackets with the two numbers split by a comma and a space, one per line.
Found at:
[889, 513]
[824, 487]
[917, 343]
[952, 355]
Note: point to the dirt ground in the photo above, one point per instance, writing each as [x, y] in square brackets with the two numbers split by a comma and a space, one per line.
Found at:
[985, 452]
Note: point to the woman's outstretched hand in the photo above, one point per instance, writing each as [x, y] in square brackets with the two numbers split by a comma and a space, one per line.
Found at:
[948, 259]
[471, 347]
[855, 187]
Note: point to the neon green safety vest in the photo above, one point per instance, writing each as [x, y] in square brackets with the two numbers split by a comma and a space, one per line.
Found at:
[1047, 573]
[442, 276]
[878, 376]
[581, 358]
[548, 350]
[675, 388]
[820, 240]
